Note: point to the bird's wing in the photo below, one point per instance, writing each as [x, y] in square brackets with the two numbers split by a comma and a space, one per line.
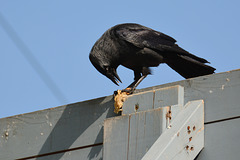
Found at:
[142, 37]
[146, 37]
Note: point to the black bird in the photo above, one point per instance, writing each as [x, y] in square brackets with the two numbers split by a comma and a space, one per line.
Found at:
[137, 47]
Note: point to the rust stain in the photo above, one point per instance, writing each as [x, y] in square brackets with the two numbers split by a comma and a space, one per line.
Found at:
[201, 129]
[190, 139]
[192, 148]
[188, 129]
[168, 117]
[194, 128]
[169, 114]
[153, 98]
[136, 107]
[178, 134]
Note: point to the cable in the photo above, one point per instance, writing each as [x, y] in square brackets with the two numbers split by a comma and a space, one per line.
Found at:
[26, 52]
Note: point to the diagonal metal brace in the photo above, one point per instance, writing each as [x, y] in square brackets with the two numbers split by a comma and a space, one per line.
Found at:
[185, 137]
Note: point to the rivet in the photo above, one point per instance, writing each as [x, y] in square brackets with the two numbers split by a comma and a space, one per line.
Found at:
[192, 148]
[190, 139]
[188, 128]
[194, 128]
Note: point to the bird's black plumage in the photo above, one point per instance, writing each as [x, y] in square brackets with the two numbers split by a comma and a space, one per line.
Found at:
[138, 48]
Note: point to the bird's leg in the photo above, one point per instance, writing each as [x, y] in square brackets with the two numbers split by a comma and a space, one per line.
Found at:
[131, 88]
[137, 80]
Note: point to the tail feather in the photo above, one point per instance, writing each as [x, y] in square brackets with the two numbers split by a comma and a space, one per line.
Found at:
[188, 67]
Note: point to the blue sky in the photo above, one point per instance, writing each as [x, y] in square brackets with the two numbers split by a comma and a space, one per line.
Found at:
[60, 34]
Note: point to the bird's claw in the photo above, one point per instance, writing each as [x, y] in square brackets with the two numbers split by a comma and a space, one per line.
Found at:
[128, 90]
[119, 97]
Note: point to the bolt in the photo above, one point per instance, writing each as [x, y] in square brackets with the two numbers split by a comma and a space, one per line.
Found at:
[194, 128]
[190, 139]
[169, 115]
[136, 107]
[192, 148]
[188, 128]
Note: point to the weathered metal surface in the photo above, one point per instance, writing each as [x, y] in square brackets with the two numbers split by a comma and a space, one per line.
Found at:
[169, 96]
[222, 141]
[131, 136]
[56, 129]
[184, 139]
[138, 102]
[93, 153]
[220, 93]
[116, 138]
[78, 125]
[143, 101]
[144, 129]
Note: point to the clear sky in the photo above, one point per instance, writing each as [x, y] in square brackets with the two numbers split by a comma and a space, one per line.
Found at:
[59, 34]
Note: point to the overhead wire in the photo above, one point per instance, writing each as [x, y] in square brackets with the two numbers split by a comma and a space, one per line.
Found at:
[32, 60]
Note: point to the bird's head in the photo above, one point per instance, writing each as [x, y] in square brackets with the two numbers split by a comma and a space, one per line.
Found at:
[105, 68]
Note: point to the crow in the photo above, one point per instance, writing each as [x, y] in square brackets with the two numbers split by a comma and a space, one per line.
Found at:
[138, 47]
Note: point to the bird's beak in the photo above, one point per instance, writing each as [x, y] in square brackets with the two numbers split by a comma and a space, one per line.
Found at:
[114, 77]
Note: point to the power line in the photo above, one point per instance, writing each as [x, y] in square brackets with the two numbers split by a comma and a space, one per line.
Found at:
[26, 52]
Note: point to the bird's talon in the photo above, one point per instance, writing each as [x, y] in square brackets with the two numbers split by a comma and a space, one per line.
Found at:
[128, 91]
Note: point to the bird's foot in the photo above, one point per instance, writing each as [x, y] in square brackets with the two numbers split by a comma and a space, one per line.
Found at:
[128, 90]
[120, 96]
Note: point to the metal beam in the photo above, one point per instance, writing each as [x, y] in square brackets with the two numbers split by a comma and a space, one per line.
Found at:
[184, 139]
